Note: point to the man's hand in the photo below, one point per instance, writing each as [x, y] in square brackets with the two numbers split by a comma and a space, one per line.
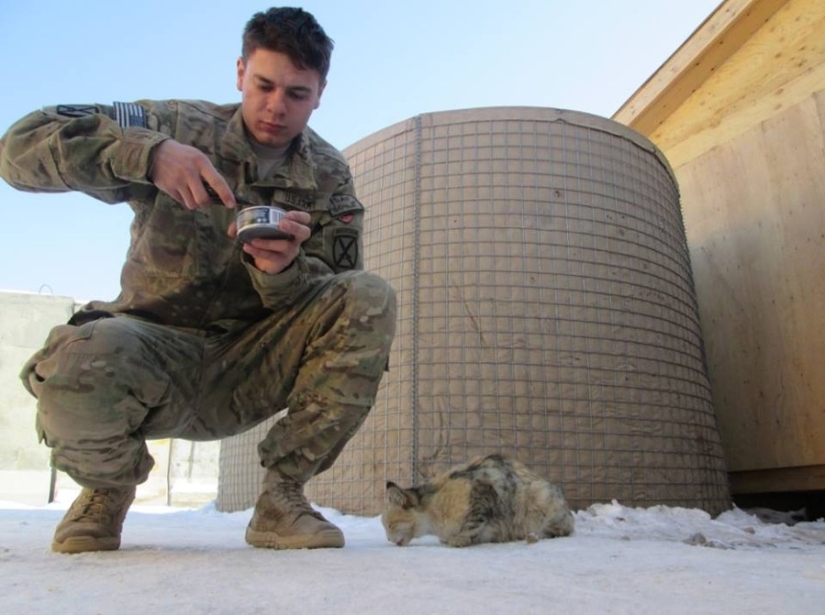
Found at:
[274, 255]
[181, 170]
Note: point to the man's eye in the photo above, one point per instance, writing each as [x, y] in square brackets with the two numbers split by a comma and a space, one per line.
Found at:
[298, 95]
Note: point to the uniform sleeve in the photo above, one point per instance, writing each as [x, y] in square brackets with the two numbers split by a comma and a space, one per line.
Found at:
[335, 246]
[47, 151]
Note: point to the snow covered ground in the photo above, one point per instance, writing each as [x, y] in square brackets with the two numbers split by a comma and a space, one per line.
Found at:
[620, 560]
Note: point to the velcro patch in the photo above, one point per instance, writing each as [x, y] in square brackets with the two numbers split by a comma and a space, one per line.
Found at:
[292, 199]
[75, 110]
[125, 114]
[343, 203]
[129, 114]
[345, 248]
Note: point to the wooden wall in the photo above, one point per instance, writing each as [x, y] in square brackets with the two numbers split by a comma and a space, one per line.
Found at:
[739, 111]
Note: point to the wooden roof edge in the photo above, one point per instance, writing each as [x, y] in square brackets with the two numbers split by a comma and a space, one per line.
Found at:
[716, 39]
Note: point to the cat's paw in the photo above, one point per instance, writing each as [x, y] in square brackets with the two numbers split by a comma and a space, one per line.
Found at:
[459, 541]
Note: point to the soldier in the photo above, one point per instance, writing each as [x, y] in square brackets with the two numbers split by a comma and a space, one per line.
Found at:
[210, 336]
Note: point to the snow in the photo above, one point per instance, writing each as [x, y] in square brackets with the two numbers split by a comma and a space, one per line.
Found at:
[620, 560]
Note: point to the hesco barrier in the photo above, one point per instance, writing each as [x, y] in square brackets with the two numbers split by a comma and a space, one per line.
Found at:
[546, 311]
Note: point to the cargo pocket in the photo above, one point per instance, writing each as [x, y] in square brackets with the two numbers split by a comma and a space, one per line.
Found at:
[60, 338]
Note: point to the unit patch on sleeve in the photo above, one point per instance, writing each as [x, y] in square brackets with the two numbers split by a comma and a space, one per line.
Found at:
[345, 248]
[74, 110]
[343, 204]
[125, 114]
[129, 114]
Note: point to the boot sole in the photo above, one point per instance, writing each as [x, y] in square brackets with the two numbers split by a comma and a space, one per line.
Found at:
[327, 539]
[84, 544]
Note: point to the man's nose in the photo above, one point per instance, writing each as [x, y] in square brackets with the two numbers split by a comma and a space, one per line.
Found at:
[276, 102]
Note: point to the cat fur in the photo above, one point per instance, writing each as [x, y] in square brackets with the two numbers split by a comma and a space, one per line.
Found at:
[490, 499]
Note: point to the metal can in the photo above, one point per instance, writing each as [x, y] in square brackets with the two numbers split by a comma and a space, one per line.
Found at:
[262, 222]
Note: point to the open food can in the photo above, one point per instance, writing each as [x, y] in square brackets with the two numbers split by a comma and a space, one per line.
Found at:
[260, 221]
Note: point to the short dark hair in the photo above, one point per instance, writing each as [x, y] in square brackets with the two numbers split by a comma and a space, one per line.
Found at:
[290, 31]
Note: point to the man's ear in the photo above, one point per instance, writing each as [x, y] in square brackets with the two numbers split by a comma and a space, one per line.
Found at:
[241, 71]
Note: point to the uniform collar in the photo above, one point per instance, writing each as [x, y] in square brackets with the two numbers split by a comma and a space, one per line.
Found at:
[299, 171]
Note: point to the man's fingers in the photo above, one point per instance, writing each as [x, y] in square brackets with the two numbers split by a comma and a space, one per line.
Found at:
[300, 232]
[187, 175]
[302, 217]
[189, 200]
[183, 197]
[218, 185]
[201, 198]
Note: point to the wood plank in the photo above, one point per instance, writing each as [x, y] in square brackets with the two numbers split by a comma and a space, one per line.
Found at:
[711, 45]
[781, 65]
[781, 480]
[686, 139]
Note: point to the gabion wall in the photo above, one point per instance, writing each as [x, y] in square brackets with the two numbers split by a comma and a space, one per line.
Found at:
[546, 310]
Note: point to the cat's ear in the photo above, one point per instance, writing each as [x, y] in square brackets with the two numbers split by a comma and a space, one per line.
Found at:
[397, 496]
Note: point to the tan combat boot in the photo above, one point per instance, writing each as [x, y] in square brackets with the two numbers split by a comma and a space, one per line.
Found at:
[284, 519]
[94, 521]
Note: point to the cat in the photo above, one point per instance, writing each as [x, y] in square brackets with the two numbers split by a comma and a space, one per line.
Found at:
[490, 499]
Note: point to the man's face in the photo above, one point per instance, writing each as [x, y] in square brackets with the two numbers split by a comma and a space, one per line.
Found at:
[278, 98]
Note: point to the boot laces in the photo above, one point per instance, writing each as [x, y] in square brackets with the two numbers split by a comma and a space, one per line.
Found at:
[292, 495]
[95, 505]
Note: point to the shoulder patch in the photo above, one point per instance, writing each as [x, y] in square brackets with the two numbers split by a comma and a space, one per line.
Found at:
[342, 204]
[345, 248]
[125, 114]
[129, 114]
[75, 110]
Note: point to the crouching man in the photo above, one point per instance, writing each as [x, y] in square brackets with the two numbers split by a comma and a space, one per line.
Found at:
[211, 336]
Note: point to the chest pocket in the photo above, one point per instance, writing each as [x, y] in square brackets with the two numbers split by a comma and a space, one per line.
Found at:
[164, 239]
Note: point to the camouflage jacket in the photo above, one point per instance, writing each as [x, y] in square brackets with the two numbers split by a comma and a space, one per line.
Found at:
[182, 269]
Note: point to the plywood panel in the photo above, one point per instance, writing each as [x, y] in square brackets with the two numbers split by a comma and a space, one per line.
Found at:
[756, 227]
[714, 42]
[777, 68]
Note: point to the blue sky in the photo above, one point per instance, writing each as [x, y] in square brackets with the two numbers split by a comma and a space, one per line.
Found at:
[392, 60]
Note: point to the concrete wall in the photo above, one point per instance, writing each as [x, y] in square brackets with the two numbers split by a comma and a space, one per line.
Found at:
[185, 474]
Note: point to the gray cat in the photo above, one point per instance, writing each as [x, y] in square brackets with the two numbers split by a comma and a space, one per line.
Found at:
[490, 499]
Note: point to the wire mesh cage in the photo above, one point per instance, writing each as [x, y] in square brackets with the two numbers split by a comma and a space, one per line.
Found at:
[546, 311]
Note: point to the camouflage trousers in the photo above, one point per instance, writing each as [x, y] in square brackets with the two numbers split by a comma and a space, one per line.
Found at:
[105, 387]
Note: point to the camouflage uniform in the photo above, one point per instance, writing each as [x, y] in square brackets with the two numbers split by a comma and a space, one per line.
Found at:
[200, 344]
